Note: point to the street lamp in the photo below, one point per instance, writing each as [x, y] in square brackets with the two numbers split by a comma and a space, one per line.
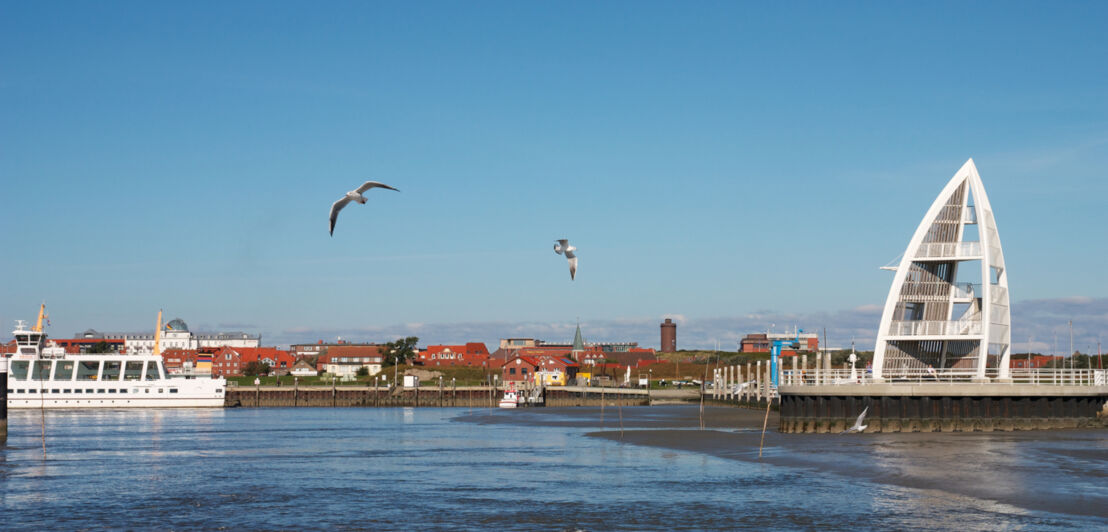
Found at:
[395, 365]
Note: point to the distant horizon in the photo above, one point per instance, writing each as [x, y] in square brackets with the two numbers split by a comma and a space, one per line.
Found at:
[1046, 321]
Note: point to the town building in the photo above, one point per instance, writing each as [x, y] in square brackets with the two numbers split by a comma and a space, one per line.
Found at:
[179, 361]
[469, 354]
[763, 342]
[344, 360]
[546, 370]
[175, 335]
[578, 349]
[88, 345]
[231, 361]
[303, 368]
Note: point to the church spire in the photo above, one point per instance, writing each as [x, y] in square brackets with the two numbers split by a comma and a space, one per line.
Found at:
[578, 341]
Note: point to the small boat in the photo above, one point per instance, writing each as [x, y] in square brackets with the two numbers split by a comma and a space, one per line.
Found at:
[511, 398]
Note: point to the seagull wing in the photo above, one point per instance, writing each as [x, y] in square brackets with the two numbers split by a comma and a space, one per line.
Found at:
[858, 424]
[373, 184]
[572, 267]
[335, 208]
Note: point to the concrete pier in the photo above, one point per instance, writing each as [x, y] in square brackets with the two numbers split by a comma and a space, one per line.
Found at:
[939, 407]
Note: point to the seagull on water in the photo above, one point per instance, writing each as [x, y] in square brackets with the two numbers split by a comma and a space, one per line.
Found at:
[353, 195]
[858, 426]
[563, 247]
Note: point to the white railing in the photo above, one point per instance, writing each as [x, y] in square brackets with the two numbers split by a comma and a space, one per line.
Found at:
[949, 249]
[935, 328]
[1045, 377]
[965, 290]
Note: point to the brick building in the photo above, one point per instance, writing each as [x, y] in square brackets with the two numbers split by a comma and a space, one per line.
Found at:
[470, 354]
[763, 342]
[230, 361]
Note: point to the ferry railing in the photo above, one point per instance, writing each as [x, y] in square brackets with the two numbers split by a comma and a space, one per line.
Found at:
[912, 376]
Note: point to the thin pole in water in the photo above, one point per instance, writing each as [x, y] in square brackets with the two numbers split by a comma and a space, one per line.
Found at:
[620, 421]
[765, 423]
[42, 411]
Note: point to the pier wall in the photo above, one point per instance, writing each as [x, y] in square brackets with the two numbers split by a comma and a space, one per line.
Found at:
[470, 396]
[986, 410]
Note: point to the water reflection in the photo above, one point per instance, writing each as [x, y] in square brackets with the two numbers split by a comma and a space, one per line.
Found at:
[395, 468]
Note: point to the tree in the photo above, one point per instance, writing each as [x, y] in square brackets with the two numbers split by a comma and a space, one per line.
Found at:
[399, 351]
[255, 368]
[362, 372]
[101, 347]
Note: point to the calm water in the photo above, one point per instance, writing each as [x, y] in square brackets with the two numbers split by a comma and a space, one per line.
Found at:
[402, 468]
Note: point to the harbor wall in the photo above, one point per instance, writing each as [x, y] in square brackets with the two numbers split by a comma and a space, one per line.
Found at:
[469, 396]
[813, 413]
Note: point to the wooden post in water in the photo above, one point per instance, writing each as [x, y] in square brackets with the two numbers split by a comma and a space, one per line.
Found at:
[769, 382]
[760, 383]
[3, 400]
[440, 391]
[454, 391]
[746, 389]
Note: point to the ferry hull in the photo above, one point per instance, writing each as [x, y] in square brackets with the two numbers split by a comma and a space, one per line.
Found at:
[176, 402]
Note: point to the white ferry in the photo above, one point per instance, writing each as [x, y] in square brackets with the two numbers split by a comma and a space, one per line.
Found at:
[44, 376]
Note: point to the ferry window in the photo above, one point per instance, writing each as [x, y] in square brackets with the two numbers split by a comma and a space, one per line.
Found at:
[41, 371]
[63, 370]
[19, 370]
[11, 391]
[151, 371]
[101, 390]
[173, 390]
[111, 370]
[111, 390]
[55, 390]
[88, 390]
[133, 371]
[78, 390]
[87, 370]
[218, 390]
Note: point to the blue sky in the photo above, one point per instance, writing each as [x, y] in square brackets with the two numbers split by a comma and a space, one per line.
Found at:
[732, 164]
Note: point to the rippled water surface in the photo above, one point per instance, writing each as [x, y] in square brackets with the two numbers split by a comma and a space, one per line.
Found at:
[549, 469]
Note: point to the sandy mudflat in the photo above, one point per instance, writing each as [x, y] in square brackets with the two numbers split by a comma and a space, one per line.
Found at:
[1062, 471]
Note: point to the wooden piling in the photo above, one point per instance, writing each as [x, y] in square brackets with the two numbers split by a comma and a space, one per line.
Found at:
[3, 400]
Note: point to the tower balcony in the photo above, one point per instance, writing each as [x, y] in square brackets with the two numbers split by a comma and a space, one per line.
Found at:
[945, 251]
[935, 328]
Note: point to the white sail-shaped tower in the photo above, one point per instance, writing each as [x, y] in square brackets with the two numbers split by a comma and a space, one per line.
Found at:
[948, 305]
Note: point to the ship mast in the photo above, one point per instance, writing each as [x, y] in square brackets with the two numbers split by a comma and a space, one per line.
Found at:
[158, 335]
[41, 316]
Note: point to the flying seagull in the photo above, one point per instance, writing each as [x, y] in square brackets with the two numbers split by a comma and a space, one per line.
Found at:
[353, 195]
[563, 247]
[858, 426]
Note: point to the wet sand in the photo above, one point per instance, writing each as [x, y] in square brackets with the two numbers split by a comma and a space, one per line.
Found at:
[1062, 472]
